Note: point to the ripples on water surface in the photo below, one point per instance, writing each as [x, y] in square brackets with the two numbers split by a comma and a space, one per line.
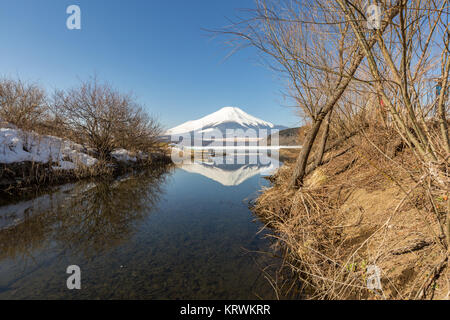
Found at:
[182, 234]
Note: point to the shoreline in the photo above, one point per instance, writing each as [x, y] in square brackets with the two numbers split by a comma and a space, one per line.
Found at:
[18, 179]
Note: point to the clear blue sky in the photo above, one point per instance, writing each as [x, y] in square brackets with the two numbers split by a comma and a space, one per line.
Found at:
[155, 49]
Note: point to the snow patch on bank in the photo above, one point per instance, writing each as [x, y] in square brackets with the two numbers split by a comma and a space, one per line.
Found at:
[123, 155]
[20, 146]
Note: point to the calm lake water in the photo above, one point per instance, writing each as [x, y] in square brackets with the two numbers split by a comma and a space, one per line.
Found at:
[186, 233]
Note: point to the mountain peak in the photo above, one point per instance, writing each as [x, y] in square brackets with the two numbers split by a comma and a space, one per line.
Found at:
[230, 109]
[226, 117]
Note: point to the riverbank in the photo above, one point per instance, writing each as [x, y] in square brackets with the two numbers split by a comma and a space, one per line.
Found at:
[367, 213]
[30, 161]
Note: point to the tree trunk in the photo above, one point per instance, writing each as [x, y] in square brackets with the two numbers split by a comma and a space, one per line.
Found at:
[302, 160]
[323, 141]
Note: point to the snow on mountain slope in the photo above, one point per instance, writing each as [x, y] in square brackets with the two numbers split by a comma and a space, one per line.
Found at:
[227, 117]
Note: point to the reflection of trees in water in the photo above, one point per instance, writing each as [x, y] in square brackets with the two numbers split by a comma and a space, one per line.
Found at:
[19, 241]
[93, 218]
[106, 215]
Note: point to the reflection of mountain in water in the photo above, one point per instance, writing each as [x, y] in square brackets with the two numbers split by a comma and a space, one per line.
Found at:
[230, 174]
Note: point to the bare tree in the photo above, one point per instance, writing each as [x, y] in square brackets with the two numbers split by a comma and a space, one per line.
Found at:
[411, 59]
[22, 104]
[105, 118]
[139, 132]
[309, 42]
[406, 63]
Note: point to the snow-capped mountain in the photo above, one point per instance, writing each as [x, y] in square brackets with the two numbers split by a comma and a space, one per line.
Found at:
[223, 119]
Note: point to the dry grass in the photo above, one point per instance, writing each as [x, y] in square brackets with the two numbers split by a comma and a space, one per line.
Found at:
[19, 178]
[373, 205]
